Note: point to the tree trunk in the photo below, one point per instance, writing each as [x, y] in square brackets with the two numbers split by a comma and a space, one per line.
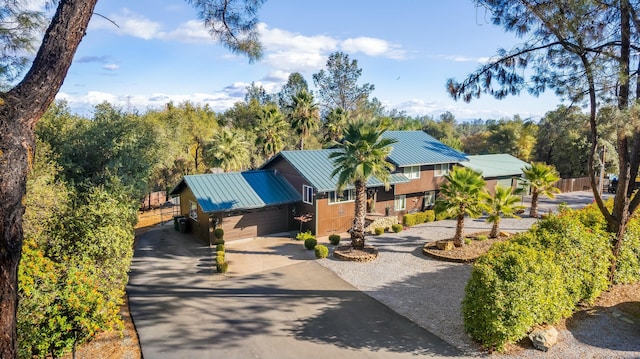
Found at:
[357, 232]
[458, 239]
[495, 229]
[20, 109]
[533, 211]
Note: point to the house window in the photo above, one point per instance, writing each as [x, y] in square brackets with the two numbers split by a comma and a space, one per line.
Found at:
[193, 210]
[441, 169]
[400, 202]
[346, 196]
[307, 194]
[429, 199]
[412, 172]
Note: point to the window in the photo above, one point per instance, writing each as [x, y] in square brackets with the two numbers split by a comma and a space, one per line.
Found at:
[441, 169]
[346, 196]
[400, 202]
[412, 172]
[307, 194]
[429, 199]
[193, 210]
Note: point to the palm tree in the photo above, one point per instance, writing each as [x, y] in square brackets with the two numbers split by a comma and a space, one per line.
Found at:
[271, 131]
[335, 123]
[540, 177]
[360, 154]
[463, 194]
[303, 114]
[503, 203]
[228, 150]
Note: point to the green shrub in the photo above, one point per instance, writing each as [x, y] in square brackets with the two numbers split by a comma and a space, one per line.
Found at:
[334, 239]
[396, 228]
[467, 241]
[481, 237]
[430, 215]
[321, 251]
[309, 243]
[421, 217]
[220, 247]
[582, 253]
[409, 219]
[513, 288]
[627, 267]
[218, 233]
[220, 256]
[222, 267]
[441, 215]
[378, 231]
[301, 236]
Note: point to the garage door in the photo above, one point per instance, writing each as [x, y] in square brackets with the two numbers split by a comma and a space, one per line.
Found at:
[255, 223]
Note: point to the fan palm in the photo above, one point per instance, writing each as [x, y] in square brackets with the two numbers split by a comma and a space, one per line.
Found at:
[303, 115]
[361, 154]
[503, 203]
[335, 123]
[540, 177]
[463, 194]
[270, 131]
[228, 150]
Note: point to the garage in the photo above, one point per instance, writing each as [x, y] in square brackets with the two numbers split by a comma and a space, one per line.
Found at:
[254, 223]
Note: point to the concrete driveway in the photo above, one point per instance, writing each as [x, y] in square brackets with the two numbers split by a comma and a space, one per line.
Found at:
[284, 305]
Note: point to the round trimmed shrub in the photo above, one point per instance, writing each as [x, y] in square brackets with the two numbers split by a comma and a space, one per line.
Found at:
[220, 247]
[310, 243]
[303, 236]
[334, 239]
[220, 259]
[378, 231]
[430, 215]
[222, 267]
[396, 228]
[218, 233]
[409, 220]
[321, 251]
[513, 288]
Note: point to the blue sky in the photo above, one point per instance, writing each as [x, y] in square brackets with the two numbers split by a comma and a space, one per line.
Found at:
[406, 48]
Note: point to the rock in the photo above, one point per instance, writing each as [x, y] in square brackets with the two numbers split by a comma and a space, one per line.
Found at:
[544, 338]
[444, 245]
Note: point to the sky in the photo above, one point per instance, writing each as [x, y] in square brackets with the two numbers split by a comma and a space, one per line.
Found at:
[407, 49]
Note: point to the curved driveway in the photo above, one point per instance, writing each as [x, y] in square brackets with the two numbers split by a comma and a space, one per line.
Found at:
[288, 306]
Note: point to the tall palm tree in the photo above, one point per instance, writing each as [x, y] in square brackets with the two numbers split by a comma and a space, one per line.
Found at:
[540, 177]
[335, 123]
[228, 150]
[463, 194]
[503, 203]
[303, 114]
[271, 131]
[360, 154]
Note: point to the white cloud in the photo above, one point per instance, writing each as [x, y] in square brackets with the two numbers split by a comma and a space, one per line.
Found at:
[128, 23]
[373, 47]
[456, 58]
[192, 31]
[111, 67]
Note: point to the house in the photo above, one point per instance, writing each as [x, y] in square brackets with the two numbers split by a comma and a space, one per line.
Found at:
[498, 169]
[298, 183]
[244, 204]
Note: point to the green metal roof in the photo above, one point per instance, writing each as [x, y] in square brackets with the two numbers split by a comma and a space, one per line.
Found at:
[498, 165]
[316, 167]
[239, 190]
[418, 148]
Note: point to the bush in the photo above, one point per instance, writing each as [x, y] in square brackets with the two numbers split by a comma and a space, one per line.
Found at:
[222, 267]
[467, 241]
[441, 215]
[220, 247]
[310, 243]
[301, 236]
[321, 251]
[513, 288]
[218, 233]
[627, 271]
[430, 215]
[396, 228]
[421, 217]
[334, 239]
[378, 231]
[482, 237]
[409, 220]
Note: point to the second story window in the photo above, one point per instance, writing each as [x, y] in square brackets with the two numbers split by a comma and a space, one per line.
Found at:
[412, 172]
[441, 169]
[307, 194]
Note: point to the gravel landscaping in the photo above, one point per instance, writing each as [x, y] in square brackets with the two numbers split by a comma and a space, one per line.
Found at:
[430, 292]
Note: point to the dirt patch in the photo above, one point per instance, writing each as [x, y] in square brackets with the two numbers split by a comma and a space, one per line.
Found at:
[348, 253]
[467, 253]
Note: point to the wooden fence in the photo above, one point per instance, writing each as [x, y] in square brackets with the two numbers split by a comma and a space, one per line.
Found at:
[153, 200]
[574, 184]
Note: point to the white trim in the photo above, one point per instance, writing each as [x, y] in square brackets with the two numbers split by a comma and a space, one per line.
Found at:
[403, 199]
[307, 194]
[411, 173]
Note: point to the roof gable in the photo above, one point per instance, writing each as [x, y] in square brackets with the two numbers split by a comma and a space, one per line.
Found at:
[316, 167]
[495, 165]
[217, 192]
[419, 148]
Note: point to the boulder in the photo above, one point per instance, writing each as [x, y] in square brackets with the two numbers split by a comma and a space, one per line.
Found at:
[444, 245]
[544, 338]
